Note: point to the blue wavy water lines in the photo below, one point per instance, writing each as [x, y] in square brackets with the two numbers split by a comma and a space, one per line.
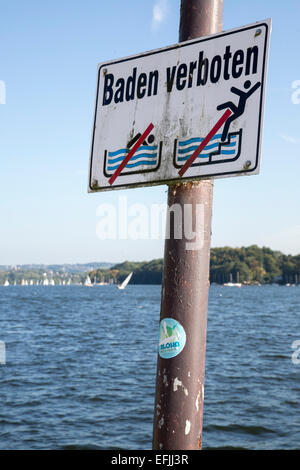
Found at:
[132, 165]
[198, 139]
[207, 147]
[142, 147]
[134, 157]
[145, 155]
[205, 155]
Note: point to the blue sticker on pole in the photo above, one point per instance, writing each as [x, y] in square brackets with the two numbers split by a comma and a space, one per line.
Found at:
[172, 338]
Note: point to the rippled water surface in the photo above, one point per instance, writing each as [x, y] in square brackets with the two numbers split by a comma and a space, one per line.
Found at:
[81, 364]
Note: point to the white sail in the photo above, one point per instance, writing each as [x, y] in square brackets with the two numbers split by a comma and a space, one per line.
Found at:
[125, 282]
[6, 283]
[88, 281]
[233, 284]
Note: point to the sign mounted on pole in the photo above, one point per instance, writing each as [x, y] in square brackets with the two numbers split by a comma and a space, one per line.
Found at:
[192, 110]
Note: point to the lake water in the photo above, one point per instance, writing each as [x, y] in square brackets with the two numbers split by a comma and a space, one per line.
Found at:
[81, 365]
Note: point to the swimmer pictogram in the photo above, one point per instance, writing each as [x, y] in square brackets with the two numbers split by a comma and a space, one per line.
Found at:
[130, 154]
[142, 154]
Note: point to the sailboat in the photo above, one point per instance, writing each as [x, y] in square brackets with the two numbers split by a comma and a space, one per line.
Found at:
[233, 284]
[88, 282]
[125, 282]
[6, 283]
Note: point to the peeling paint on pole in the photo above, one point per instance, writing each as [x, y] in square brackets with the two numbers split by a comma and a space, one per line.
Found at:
[184, 293]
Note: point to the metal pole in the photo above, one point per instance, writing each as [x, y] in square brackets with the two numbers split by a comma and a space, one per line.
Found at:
[179, 397]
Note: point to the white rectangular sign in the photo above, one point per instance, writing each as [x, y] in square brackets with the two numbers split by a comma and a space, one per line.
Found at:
[188, 111]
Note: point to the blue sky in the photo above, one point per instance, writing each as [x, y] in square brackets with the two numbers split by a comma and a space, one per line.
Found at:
[48, 61]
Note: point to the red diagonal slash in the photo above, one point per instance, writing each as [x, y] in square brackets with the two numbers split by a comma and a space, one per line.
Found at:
[131, 153]
[205, 141]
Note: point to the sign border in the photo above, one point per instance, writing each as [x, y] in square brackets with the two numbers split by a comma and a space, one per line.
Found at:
[267, 22]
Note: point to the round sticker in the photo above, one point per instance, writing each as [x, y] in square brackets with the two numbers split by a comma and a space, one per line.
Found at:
[172, 338]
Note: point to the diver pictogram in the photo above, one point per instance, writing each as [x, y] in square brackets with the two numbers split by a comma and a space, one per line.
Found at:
[238, 110]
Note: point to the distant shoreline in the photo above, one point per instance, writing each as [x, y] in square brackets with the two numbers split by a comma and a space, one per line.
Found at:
[246, 265]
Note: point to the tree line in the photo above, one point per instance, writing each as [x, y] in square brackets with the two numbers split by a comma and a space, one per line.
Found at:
[249, 265]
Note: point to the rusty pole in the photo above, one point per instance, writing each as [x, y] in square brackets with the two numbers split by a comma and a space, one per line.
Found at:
[179, 397]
